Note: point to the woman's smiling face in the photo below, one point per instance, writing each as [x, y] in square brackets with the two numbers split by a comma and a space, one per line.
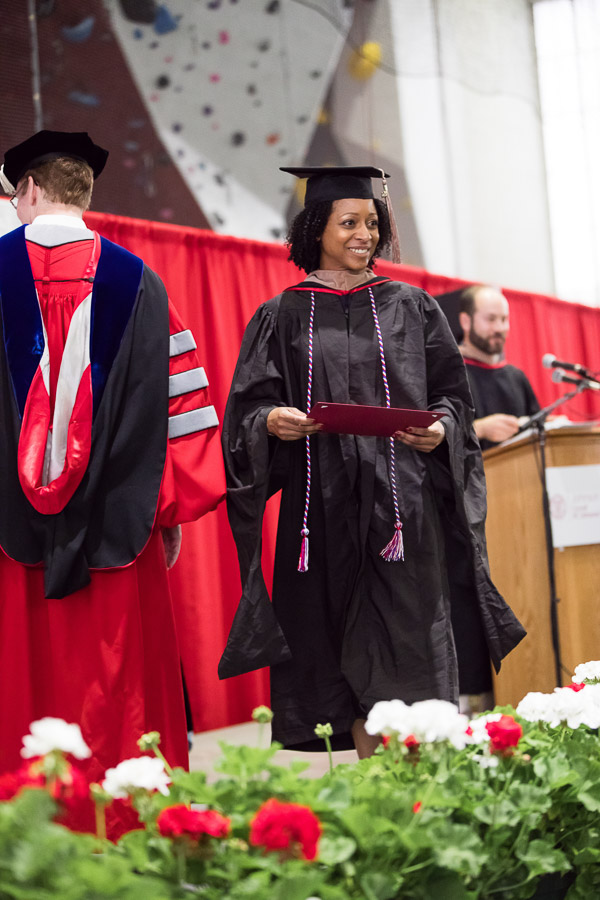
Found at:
[350, 236]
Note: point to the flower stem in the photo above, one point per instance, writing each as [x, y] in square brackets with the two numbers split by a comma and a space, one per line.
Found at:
[328, 745]
[100, 811]
[160, 754]
[181, 863]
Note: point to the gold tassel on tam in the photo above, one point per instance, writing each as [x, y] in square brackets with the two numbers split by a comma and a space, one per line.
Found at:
[385, 196]
[7, 187]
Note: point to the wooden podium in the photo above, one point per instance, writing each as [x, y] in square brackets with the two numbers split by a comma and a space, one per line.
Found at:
[519, 564]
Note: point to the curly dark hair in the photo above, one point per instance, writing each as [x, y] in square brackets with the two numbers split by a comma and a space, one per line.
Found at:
[308, 226]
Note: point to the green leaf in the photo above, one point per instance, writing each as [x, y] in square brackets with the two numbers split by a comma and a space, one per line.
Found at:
[252, 886]
[334, 850]
[379, 886]
[297, 886]
[135, 845]
[553, 771]
[458, 848]
[336, 795]
[541, 858]
[500, 812]
[446, 887]
[589, 795]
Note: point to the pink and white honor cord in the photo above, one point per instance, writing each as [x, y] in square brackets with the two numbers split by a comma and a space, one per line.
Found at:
[303, 560]
[393, 551]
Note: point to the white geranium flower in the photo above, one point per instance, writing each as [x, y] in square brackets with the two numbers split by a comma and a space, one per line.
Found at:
[574, 708]
[147, 772]
[577, 707]
[439, 720]
[480, 735]
[387, 717]
[587, 671]
[50, 734]
[487, 762]
[535, 707]
[427, 720]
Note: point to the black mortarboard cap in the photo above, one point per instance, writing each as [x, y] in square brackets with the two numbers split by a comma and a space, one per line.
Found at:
[47, 145]
[331, 183]
[336, 182]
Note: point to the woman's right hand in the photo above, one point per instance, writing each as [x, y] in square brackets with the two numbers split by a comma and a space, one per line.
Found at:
[290, 424]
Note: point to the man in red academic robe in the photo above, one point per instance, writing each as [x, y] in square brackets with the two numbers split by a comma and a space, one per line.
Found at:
[109, 443]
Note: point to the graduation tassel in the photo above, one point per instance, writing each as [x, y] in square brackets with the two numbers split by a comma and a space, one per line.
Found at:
[303, 560]
[385, 196]
[394, 551]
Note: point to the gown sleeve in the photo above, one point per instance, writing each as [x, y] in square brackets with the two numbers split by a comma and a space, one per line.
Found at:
[193, 479]
[255, 467]
[531, 401]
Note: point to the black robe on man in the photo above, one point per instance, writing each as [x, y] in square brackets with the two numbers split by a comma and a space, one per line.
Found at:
[499, 388]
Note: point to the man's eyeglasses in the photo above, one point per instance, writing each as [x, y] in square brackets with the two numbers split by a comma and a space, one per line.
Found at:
[14, 199]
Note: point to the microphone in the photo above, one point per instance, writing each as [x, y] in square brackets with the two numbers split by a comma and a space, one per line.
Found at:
[549, 361]
[558, 375]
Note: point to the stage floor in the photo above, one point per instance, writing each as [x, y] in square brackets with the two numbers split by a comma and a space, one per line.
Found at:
[205, 750]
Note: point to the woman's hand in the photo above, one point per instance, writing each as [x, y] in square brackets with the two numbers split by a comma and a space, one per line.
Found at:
[290, 424]
[423, 439]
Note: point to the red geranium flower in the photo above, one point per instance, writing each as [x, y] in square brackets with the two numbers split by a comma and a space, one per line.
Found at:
[417, 806]
[69, 788]
[286, 827]
[12, 782]
[179, 820]
[411, 743]
[504, 734]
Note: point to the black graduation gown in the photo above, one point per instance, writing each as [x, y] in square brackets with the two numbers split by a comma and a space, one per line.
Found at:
[500, 389]
[354, 629]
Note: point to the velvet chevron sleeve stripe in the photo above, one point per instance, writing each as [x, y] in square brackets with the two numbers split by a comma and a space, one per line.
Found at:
[192, 421]
[181, 342]
[185, 382]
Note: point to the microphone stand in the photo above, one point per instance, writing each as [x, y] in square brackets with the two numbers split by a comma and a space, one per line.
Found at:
[543, 414]
[538, 421]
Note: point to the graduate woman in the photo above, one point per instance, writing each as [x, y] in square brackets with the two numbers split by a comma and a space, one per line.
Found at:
[362, 586]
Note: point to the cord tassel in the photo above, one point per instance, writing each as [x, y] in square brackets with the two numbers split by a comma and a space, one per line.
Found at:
[394, 551]
[303, 560]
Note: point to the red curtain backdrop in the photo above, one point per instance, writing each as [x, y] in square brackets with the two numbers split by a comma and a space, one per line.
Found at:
[216, 283]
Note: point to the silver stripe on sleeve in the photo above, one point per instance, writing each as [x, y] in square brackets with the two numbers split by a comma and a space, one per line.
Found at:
[184, 382]
[181, 342]
[194, 420]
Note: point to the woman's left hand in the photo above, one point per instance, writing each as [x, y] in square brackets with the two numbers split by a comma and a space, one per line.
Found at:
[423, 439]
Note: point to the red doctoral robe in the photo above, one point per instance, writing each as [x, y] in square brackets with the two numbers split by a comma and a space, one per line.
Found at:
[105, 656]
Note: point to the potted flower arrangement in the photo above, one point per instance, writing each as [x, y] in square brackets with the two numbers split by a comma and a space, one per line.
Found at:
[506, 805]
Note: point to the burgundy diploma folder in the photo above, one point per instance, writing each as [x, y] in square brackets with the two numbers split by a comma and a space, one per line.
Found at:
[352, 418]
